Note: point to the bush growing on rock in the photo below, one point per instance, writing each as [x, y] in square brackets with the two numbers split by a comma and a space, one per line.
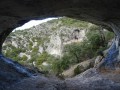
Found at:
[77, 70]
[37, 40]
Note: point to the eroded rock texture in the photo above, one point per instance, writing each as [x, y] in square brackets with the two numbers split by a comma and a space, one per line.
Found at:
[14, 13]
[88, 80]
[11, 72]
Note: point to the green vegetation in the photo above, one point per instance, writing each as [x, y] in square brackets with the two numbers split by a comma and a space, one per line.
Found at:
[42, 58]
[13, 52]
[24, 58]
[73, 53]
[65, 21]
[77, 70]
[79, 51]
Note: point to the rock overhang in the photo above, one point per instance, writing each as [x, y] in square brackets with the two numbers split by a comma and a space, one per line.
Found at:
[14, 13]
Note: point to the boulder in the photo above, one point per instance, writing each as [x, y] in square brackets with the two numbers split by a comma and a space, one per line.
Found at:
[82, 67]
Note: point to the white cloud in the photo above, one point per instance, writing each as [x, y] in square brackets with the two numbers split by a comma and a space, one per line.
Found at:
[33, 23]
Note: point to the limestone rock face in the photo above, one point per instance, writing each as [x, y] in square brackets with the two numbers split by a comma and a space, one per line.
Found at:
[51, 37]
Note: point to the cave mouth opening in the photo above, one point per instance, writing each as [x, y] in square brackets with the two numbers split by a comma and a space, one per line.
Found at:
[56, 44]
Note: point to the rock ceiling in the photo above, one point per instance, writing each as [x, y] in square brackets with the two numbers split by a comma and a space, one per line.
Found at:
[14, 13]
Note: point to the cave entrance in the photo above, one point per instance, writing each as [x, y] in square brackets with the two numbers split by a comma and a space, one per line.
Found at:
[56, 45]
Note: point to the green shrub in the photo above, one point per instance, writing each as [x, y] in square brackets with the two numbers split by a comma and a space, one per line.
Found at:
[35, 49]
[73, 51]
[109, 35]
[24, 58]
[78, 70]
[42, 58]
[56, 67]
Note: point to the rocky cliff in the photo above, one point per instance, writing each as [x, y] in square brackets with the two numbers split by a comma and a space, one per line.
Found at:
[17, 12]
[50, 37]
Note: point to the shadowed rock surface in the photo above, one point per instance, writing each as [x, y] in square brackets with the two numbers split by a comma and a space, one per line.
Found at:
[11, 72]
[89, 80]
[14, 13]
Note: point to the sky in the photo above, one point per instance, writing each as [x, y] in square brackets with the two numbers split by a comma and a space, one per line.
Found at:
[33, 23]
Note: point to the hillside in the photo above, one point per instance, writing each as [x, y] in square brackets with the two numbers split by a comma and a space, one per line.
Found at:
[47, 36]
[63, 42]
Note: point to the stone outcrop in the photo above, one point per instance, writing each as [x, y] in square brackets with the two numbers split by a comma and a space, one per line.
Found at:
[50, 37]
[83, 66]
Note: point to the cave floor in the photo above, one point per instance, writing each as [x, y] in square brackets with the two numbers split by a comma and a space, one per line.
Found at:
[89, 79]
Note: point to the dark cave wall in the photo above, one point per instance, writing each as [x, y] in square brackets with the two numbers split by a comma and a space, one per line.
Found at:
[14, 13]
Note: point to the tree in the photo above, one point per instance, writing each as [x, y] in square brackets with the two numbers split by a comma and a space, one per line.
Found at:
[73, 50]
